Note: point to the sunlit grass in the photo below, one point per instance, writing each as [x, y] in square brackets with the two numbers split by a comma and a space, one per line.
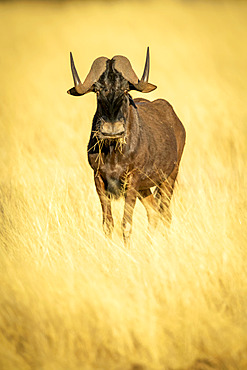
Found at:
[70, 298]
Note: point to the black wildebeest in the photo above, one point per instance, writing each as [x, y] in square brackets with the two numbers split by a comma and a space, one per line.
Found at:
[134, 145]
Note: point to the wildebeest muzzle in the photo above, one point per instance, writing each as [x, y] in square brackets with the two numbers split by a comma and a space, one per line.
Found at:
[109, 130]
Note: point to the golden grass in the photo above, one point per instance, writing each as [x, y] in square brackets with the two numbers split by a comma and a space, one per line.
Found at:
[71, 299]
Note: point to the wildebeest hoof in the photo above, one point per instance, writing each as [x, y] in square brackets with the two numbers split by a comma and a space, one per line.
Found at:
[127, 229]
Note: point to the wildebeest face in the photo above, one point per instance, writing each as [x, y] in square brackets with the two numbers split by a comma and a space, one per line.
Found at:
[113, 102]
[111, 80]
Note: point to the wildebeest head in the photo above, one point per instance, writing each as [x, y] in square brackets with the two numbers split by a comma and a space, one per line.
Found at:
[111, 80]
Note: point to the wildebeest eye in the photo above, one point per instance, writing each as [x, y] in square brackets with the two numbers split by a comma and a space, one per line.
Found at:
[126, 91]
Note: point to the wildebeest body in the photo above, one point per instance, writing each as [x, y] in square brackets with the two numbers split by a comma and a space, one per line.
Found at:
[151, 150]
[134, 144]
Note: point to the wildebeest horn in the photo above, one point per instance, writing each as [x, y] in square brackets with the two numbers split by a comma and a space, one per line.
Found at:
[143, 85]
[76, 78]
[146, 68]
[97, 69]
[122, 64]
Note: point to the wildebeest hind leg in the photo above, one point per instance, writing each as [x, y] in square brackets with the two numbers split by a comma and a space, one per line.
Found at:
[163, 195]
[150, 204]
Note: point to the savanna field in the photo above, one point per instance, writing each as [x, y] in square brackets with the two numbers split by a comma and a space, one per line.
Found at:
[71, 298]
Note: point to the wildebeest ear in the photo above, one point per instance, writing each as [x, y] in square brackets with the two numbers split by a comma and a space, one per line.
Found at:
[143, 87]
[73, 92]
[148, 88]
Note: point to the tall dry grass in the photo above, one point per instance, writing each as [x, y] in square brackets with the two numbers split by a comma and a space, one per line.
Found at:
[71, 299]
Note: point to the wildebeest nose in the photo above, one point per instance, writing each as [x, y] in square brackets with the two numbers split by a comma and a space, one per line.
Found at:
[112, 129]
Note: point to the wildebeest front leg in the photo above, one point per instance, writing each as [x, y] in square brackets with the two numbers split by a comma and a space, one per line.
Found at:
[105, 201]
[130, 200]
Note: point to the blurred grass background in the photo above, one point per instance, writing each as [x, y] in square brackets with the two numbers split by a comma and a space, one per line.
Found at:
[71, 299]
